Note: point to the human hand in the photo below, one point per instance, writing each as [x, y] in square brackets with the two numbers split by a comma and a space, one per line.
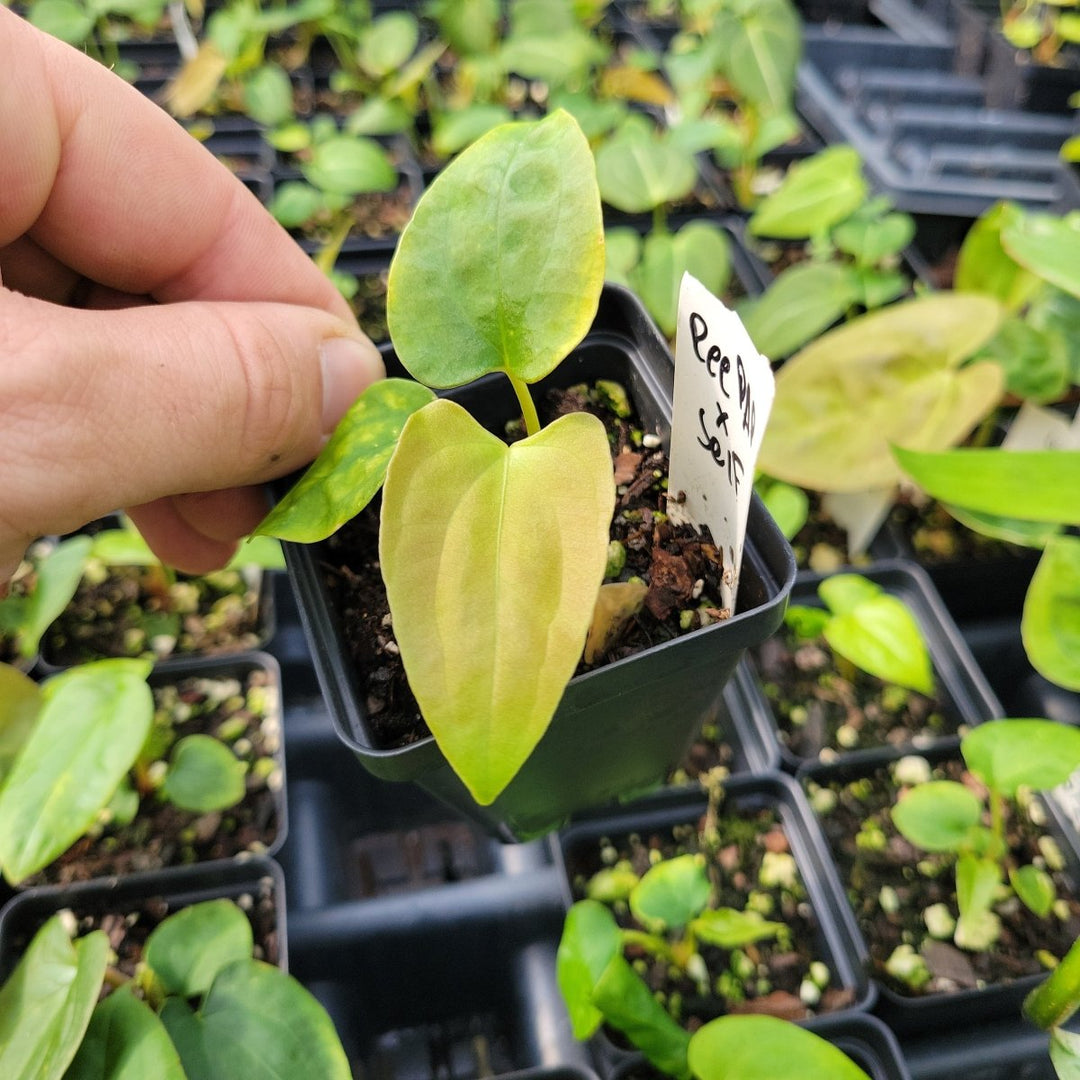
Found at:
[164, 345]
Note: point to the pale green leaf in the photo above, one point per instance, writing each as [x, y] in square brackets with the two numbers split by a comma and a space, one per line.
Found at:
[188, 949]
[388, 42]
[788, 506]
[766, 1048]
[816, 194]
[204, 775]
[349, 165]
[1065, 1053]
[256, 1021]
[1035, 887]
[977, 881]
[1034, 753]
[45, 1005]
[845, 592]
[20, 703]
[1050, 626]
[892, 376]
[638, 174]
[457, 129]
[502, 264]
[731, 929]
[58, 577]
[984, 266]
[295, 203]
[465, 515]
[869, 240]
[1048, 246]
[1035, 485]
[65, 19]
[90, 729]
[938, 815]
[622, 250]
[762, 52]
[351, 467]
[1034, 534]
[590, 940]
[125, 1041]
[268, 95]
[671, 893]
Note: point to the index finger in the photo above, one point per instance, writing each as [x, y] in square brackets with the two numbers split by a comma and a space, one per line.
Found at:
[110, 185]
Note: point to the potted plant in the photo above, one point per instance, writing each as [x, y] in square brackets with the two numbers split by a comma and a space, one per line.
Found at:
[497, 670]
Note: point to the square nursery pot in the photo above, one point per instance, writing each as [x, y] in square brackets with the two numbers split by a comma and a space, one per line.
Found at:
[621, 728]
[830, 730]
[758, 805]
[133, 906]
[959, 1001]
[244, 690]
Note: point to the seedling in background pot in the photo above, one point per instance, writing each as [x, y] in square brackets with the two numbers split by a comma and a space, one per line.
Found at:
[868, 627]
[492, 555]
[247, 1014]
[1008, 757]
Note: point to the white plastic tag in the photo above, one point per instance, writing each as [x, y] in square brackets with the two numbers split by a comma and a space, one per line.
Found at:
[1036, 428]
[859, 513]
[724, 391]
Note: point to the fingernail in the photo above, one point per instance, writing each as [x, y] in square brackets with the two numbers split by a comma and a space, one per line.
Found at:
[349, 366]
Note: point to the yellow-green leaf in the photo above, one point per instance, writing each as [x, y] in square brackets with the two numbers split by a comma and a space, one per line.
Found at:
[501, 266]
[892, 376]
[492, 564]
[20, 702]
[1051, 622]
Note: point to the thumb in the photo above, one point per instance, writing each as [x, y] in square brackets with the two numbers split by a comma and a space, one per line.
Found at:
[106, 409]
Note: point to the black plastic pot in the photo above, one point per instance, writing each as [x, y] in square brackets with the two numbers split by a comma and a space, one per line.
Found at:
[621, 728]
[835, 931]
[915, 1016]
[961, 684]
[924, 133]
[151, 897]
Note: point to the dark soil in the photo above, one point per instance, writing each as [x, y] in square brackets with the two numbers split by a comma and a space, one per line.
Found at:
[937, 538]
[920, 880]
[369, 305]
[375, 216]
[821, 545]
[139, 611]
[672, 560]
[735, 854]
[823, 707]
[161, 834]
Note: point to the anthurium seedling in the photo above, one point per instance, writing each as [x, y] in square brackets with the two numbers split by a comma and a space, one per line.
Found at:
[68, 747]
[670, 903]
[1005, 756]
[199, 1005]
[854, 245]
[492, 555]
[870, 628]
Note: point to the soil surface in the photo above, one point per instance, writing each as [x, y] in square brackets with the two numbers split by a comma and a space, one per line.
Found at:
[161, 834]
[141, 611]
[682, 568]
[937, 538]
[872, 856]
[824, 705]
[735, 853]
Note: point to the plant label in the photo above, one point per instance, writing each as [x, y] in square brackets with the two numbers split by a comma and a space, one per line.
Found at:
[724, 390]
[1037, 428]
[859, 513]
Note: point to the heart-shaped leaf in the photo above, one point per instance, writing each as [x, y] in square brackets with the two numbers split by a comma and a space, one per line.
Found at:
[45, 1005]
[1035, 753]
[125, 1041]
[938, 815]
[892, 376]
[204, 775]
[190, 947]
[764, 1048]
[388, 42]
[671, 893]
[501, 266]
[1050, 626]
[349, 165]
[762, 47]
[492, 564]
[93, 723]
[351, 467]
[255, 1021]
[868, 240]
[638, 171]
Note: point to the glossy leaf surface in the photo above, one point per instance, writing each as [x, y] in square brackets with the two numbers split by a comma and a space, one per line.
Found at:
[765, 1048]
[351, 467]
[938, 815]
[45, 1005]
[1006, 754]
[204, 775]
[93, 723]
[501, 266]
[465, 515]
[892, 376]
[1050, 626]
[188, 949]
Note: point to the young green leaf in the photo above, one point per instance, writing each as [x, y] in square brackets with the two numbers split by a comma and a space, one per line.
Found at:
[1065, 1053]
[94, 721]
[1035, 887]
[255, 1021]
[622, 252]
[671, 893]
[762, 44]
[766, 1048]
[806, 622]
[898, 373]
[846, 592]
[1048, 246]
[58, 577]
[590, 941]
[45, 1005]
[1050, 626]
[125, 1041]
[628, 1005]
[1008, 754]
[466, 515]
[20, 703]
[295, 203]
[349, 165]
[351, 467]
[268, 95]
[938, 815]
[1058, 997]
[870, 239]
[468, 293]
[1035, 362]
[731, 929]
[188, 949]
[453, 131]
[977, 883]
[388, 42]
[788, 506]
[638, 170]
[816, 194]
[984, 266]
[204, 775]
[1037, 485]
